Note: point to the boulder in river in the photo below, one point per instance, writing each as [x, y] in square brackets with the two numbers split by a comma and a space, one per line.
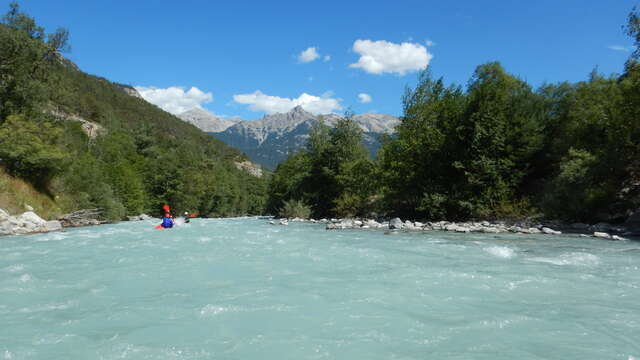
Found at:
[6, 228]
[395, 223]
[346, 224]
[462, 229]
[372, 224]
[550, 231]
[26, 223]
[53, 225]
[332, 226]
[602, 235]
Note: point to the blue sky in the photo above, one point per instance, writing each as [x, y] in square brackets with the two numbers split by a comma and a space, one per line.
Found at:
[243, 57]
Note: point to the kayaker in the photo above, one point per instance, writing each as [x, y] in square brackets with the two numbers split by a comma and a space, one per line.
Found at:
[167, 221]
[186, 218]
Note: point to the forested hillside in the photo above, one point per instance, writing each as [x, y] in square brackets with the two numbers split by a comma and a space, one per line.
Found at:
[84, 141]
[495, 149]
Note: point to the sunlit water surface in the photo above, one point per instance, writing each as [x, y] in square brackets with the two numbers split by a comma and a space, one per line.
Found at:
[244, 289]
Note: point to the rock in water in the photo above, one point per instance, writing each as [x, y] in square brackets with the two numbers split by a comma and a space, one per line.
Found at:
[332, 226]
[6, 228]
[549, 231]
[395, 223]
[372, 224]
[602, 235]
[30, 219]
[346, 224]
[53, 225]
[27, 223]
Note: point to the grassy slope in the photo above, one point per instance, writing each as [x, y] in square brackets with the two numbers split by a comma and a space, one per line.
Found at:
[16, 194]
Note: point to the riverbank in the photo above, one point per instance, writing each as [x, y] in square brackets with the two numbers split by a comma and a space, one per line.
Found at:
[29, 222]
[599, 230]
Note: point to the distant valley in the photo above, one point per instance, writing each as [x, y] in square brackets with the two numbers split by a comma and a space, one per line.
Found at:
[271, 139]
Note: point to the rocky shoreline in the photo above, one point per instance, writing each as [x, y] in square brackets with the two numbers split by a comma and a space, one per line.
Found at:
[26, 223]
[600, 230]
[30, 223]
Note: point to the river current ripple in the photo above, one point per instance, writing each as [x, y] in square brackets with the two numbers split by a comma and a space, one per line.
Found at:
[244, 289]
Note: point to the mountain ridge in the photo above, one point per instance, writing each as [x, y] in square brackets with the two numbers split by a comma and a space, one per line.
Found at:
[272, 138]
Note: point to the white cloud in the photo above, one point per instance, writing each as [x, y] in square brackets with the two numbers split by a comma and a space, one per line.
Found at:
[621, 48]
[175, 99]
[259, 101]
[377, 57]
[326, 58]
[364, 98]
[308, 55]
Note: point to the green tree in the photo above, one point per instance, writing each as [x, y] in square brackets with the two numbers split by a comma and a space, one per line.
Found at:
[59, 40]
[417, 163]
[22, 22]
[28, 149]
[332, 174]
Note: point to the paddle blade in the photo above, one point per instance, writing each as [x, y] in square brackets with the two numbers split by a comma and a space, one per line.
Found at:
[159, 227]
[166, 208]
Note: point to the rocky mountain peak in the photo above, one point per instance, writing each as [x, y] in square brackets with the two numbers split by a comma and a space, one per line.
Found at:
[198, 112]
[299, 111]
[206, 121]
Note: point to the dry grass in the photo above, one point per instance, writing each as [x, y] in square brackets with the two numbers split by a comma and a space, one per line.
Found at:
[16, 193]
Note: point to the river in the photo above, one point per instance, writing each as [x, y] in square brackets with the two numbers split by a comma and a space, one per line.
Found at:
[244, 289]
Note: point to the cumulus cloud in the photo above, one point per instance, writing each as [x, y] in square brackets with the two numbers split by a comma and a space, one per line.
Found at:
[308, 55]
[621, 48]
[377, 57]
[364, 98]
[175, 99]
[259, 101]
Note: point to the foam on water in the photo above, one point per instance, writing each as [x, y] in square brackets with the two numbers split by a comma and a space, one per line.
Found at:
[575, 259]
[501, 251]
[244, 289]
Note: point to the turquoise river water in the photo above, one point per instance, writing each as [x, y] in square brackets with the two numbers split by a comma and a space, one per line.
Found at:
[244, 289]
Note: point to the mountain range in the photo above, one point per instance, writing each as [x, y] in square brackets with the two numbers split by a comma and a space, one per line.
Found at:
[271, 139]
[206, 121]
